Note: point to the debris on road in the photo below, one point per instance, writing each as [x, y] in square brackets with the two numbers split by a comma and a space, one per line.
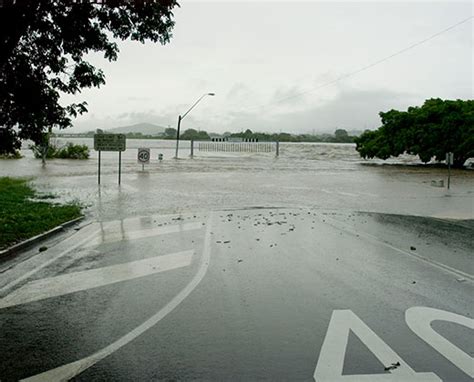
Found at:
[393, 366]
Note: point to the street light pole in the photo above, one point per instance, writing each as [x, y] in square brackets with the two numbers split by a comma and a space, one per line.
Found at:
[180, 118]
[177, 136]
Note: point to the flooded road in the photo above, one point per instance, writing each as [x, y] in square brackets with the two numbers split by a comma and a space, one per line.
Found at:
[329, 176]
[314, 266]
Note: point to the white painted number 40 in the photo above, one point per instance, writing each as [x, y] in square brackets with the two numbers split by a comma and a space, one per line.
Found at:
[331, 358]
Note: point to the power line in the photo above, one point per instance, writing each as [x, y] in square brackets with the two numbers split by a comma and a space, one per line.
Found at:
[351, 74]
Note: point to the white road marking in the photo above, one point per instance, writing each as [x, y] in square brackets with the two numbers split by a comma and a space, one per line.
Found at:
[344, 227]
[141, 234]
[331, 357]
[419, 320]
[46, 263]
[94, 278]
[70, 370]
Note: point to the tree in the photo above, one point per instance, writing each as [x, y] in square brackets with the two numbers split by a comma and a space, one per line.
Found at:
[192, 134]
[170, 132]
[341, 136]
[248, 133]
[43, 44]
[430, 131]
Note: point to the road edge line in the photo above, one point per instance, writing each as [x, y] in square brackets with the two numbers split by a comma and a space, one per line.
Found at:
[343, 227]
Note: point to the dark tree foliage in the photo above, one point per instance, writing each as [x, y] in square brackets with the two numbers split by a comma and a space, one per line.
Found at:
[429, 131]
[342, 136]
[191, 134]
[170, 133]
[43, 48]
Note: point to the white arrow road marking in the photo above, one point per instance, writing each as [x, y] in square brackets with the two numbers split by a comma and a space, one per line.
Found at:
[141, 234]
[50, 261]
[93, 239]
[78, 281]
[70, 370]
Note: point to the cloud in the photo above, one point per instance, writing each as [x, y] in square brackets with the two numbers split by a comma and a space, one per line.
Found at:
[238, 91]
[350, 109]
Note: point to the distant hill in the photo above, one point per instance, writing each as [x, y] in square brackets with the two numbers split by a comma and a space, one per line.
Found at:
[144, 128]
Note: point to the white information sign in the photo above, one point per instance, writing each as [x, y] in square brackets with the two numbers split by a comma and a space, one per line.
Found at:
[449, 158]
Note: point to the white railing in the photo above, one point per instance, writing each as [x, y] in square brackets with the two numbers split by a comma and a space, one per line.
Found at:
[235, 147]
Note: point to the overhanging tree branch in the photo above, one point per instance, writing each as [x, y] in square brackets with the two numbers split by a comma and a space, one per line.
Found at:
[43, 45]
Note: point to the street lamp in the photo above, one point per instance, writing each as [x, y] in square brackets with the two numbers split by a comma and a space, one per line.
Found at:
[181, 117]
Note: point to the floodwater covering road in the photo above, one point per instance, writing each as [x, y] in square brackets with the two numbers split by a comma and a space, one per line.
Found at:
[246, 268]
[317, 175]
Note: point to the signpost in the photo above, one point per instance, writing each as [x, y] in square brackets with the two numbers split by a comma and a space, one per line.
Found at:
[449, 162]
[110, 142]
[143, 156]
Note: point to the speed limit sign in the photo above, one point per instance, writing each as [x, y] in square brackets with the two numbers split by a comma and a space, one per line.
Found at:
[143, 155]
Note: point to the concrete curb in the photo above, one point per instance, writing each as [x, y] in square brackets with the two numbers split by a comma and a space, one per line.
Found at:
[36, 239]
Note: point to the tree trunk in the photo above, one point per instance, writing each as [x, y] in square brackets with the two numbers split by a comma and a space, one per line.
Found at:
[45, 146]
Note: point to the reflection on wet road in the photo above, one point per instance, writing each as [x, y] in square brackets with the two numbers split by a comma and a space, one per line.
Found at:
[244, 294]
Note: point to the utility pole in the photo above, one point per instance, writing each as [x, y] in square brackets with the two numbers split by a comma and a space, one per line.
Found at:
[177, 136]
[449, 161]
[180, 118]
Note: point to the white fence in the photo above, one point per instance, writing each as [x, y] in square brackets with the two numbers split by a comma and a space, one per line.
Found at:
[235, 147]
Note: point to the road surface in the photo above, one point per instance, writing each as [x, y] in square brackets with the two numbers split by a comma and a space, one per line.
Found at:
[280, 294]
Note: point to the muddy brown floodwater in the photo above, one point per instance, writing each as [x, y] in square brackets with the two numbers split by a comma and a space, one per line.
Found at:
[318, 175]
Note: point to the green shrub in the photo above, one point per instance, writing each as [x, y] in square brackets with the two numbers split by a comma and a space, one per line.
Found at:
[70, 151]
[38, 151]
[15, 155]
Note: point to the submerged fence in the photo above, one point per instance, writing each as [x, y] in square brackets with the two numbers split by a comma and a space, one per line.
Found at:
[235, 147]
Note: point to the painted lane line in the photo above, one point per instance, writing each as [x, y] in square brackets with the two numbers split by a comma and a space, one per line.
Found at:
[70, 370]
[456, 272]
[46, 263]
[94, 278]
[142, 234]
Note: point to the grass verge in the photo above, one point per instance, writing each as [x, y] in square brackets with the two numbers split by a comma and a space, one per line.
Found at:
[22, 218]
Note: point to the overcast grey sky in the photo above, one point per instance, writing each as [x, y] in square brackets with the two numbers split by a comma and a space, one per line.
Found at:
[256, 54]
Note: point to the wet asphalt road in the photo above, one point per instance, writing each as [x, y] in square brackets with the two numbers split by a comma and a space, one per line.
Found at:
[301, 288]
[294, 294]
